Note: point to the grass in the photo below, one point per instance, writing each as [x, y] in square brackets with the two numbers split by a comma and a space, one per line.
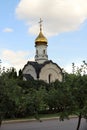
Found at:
[32, 117]
[48, 115]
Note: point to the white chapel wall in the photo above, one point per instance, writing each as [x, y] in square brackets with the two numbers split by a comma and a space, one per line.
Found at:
[50, 70]
[29, 69]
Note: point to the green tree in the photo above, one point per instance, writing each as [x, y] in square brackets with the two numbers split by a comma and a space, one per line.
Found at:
[76, 83]
[9, 95]
[79, 94]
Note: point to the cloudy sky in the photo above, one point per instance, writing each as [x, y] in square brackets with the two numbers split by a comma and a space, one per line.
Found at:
[64, 25]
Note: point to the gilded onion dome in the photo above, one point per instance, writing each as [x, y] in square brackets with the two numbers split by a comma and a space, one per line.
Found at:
[41, 39]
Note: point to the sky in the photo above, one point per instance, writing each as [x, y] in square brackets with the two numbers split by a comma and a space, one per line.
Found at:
[64, 25]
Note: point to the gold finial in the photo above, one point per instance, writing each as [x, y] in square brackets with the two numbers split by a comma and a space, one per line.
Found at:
[40, 24]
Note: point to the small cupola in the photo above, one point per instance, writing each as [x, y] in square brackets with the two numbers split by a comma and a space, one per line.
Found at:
[41, 47]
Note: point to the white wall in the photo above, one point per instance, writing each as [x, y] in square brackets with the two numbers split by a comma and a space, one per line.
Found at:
[29, 69]
[50, 69]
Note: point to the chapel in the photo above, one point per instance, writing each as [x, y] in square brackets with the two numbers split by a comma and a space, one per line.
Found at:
[42, 68]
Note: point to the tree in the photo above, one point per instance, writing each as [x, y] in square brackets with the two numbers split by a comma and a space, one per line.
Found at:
[20, 76]
[79, 93]
[5, 102]
[9, 95]
[77, 85]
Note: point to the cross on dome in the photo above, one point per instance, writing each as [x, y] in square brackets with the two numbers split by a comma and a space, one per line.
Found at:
[40, 22]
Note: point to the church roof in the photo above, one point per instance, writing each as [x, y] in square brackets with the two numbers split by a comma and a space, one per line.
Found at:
[28, 76]
[38, 66]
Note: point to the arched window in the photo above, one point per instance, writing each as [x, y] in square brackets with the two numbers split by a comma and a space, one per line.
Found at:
[36, 52]
[49, 78]
[43, 51]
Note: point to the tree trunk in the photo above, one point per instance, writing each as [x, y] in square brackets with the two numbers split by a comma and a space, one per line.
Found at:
[79, 122]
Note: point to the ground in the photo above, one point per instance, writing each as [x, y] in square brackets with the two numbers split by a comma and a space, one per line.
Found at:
[53, 124]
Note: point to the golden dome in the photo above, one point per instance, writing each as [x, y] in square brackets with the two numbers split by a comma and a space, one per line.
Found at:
[41, 39]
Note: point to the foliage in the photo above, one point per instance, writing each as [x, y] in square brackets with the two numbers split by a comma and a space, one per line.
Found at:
[27, 98]
[78, 90]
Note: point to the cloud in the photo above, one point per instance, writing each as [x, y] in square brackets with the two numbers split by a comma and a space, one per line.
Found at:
[14, 59]
[8, 30]
[58, 15]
